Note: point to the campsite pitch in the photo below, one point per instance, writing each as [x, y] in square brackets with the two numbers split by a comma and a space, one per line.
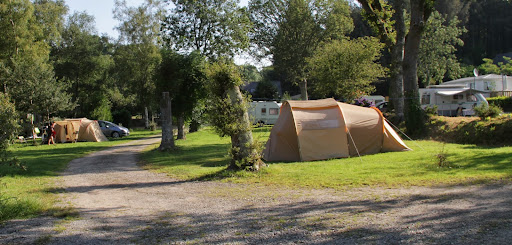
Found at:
[112, 201]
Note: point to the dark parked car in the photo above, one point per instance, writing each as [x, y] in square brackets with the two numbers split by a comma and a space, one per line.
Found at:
[382, 106]
[113, 130]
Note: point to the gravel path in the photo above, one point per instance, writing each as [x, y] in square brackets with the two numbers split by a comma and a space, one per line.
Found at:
[119, 203]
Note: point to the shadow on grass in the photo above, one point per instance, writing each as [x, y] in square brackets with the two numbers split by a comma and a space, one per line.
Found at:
[208, 155]
[49, 160]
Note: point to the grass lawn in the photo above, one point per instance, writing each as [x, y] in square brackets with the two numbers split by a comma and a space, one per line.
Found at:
[31, 192]
[204, 156]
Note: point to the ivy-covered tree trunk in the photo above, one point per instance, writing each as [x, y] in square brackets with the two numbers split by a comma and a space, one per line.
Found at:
[181, 128]
[414, 116]
[242, 148]
[167, 135]
[228, 113]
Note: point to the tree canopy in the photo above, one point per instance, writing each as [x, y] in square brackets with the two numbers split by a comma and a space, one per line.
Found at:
[346, 69]
[215, 28]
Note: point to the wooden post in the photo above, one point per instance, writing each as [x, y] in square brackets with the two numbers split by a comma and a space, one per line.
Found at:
[167, 134]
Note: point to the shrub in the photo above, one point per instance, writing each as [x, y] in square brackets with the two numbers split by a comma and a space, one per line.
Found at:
[431, 110]
[364, 102]
[123, 117]
[102, 112]
[504, 102]
[8, 128]
[484, 111]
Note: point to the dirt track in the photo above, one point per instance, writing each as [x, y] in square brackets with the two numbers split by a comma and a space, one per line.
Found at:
[119, 203]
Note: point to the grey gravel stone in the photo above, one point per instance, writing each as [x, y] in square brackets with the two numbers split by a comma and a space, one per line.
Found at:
[120, 203]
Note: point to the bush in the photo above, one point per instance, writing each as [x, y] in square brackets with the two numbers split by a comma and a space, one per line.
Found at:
[123, 117]
[495, 131]
[364, 102]
[483, 111]
[8, 128]
[102, 112]
[504, 102]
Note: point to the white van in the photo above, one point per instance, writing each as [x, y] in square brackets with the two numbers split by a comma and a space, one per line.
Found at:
[451, 100]
[264, 112]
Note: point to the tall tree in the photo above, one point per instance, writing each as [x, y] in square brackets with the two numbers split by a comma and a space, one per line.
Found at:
[228, 113]
[290, 31]
[489, 32]
[390, 27]
[215, 28]
[139, 30]
[437, 59]
[346, 68]
[420, 12]
[80, 59]
[25, 71]
[183, 76]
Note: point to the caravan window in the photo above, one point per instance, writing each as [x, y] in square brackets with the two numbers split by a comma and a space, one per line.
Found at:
[458, 96]
[273, 111]
[425, 99]
[471, 98]
[263, 111]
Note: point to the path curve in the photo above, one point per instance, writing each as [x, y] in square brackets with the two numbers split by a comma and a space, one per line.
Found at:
[119, 203]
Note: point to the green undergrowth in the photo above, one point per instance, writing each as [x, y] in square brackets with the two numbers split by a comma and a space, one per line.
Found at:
[490, 131]
[203, 156]
[25, 193]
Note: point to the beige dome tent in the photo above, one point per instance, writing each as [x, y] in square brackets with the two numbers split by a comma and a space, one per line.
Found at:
[325, 129]
[81, 129]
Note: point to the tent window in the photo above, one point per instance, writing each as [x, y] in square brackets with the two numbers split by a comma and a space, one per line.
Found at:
[263, 111]
[273, 111]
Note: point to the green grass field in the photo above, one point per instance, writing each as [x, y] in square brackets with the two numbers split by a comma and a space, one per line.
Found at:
[204, 156]
[24, 193]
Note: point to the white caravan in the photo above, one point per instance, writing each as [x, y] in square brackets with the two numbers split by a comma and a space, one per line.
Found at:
[451, 100]
[264, 112]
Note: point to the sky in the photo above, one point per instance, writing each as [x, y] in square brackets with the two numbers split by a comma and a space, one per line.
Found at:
[102, 12]
[105, 22]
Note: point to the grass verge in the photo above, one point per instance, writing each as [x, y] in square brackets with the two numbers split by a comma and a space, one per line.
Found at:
[203, 156]
[25, 193]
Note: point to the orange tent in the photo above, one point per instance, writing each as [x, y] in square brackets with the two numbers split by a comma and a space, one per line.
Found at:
[325, 129]
[81, 129]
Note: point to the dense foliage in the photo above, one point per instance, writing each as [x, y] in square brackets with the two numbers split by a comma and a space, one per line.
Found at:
[53, 63]
[346, 69]
[8, 127]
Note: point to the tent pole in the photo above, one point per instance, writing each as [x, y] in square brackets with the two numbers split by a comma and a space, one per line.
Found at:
[350, 135]
[404, 134]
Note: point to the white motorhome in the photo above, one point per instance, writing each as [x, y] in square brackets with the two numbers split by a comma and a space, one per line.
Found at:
[264, 112]
[490, 85]
[452, 100]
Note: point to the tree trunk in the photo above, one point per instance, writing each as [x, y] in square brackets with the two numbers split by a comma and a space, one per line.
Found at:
[194, 126]
[397, 57]
[414, 120]
[242, 145]
[181, 128]
[167, 135]
[303, 89]
[146, 117]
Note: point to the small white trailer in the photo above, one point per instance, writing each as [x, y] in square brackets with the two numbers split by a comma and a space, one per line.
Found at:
[452, 100]
[264, 112]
